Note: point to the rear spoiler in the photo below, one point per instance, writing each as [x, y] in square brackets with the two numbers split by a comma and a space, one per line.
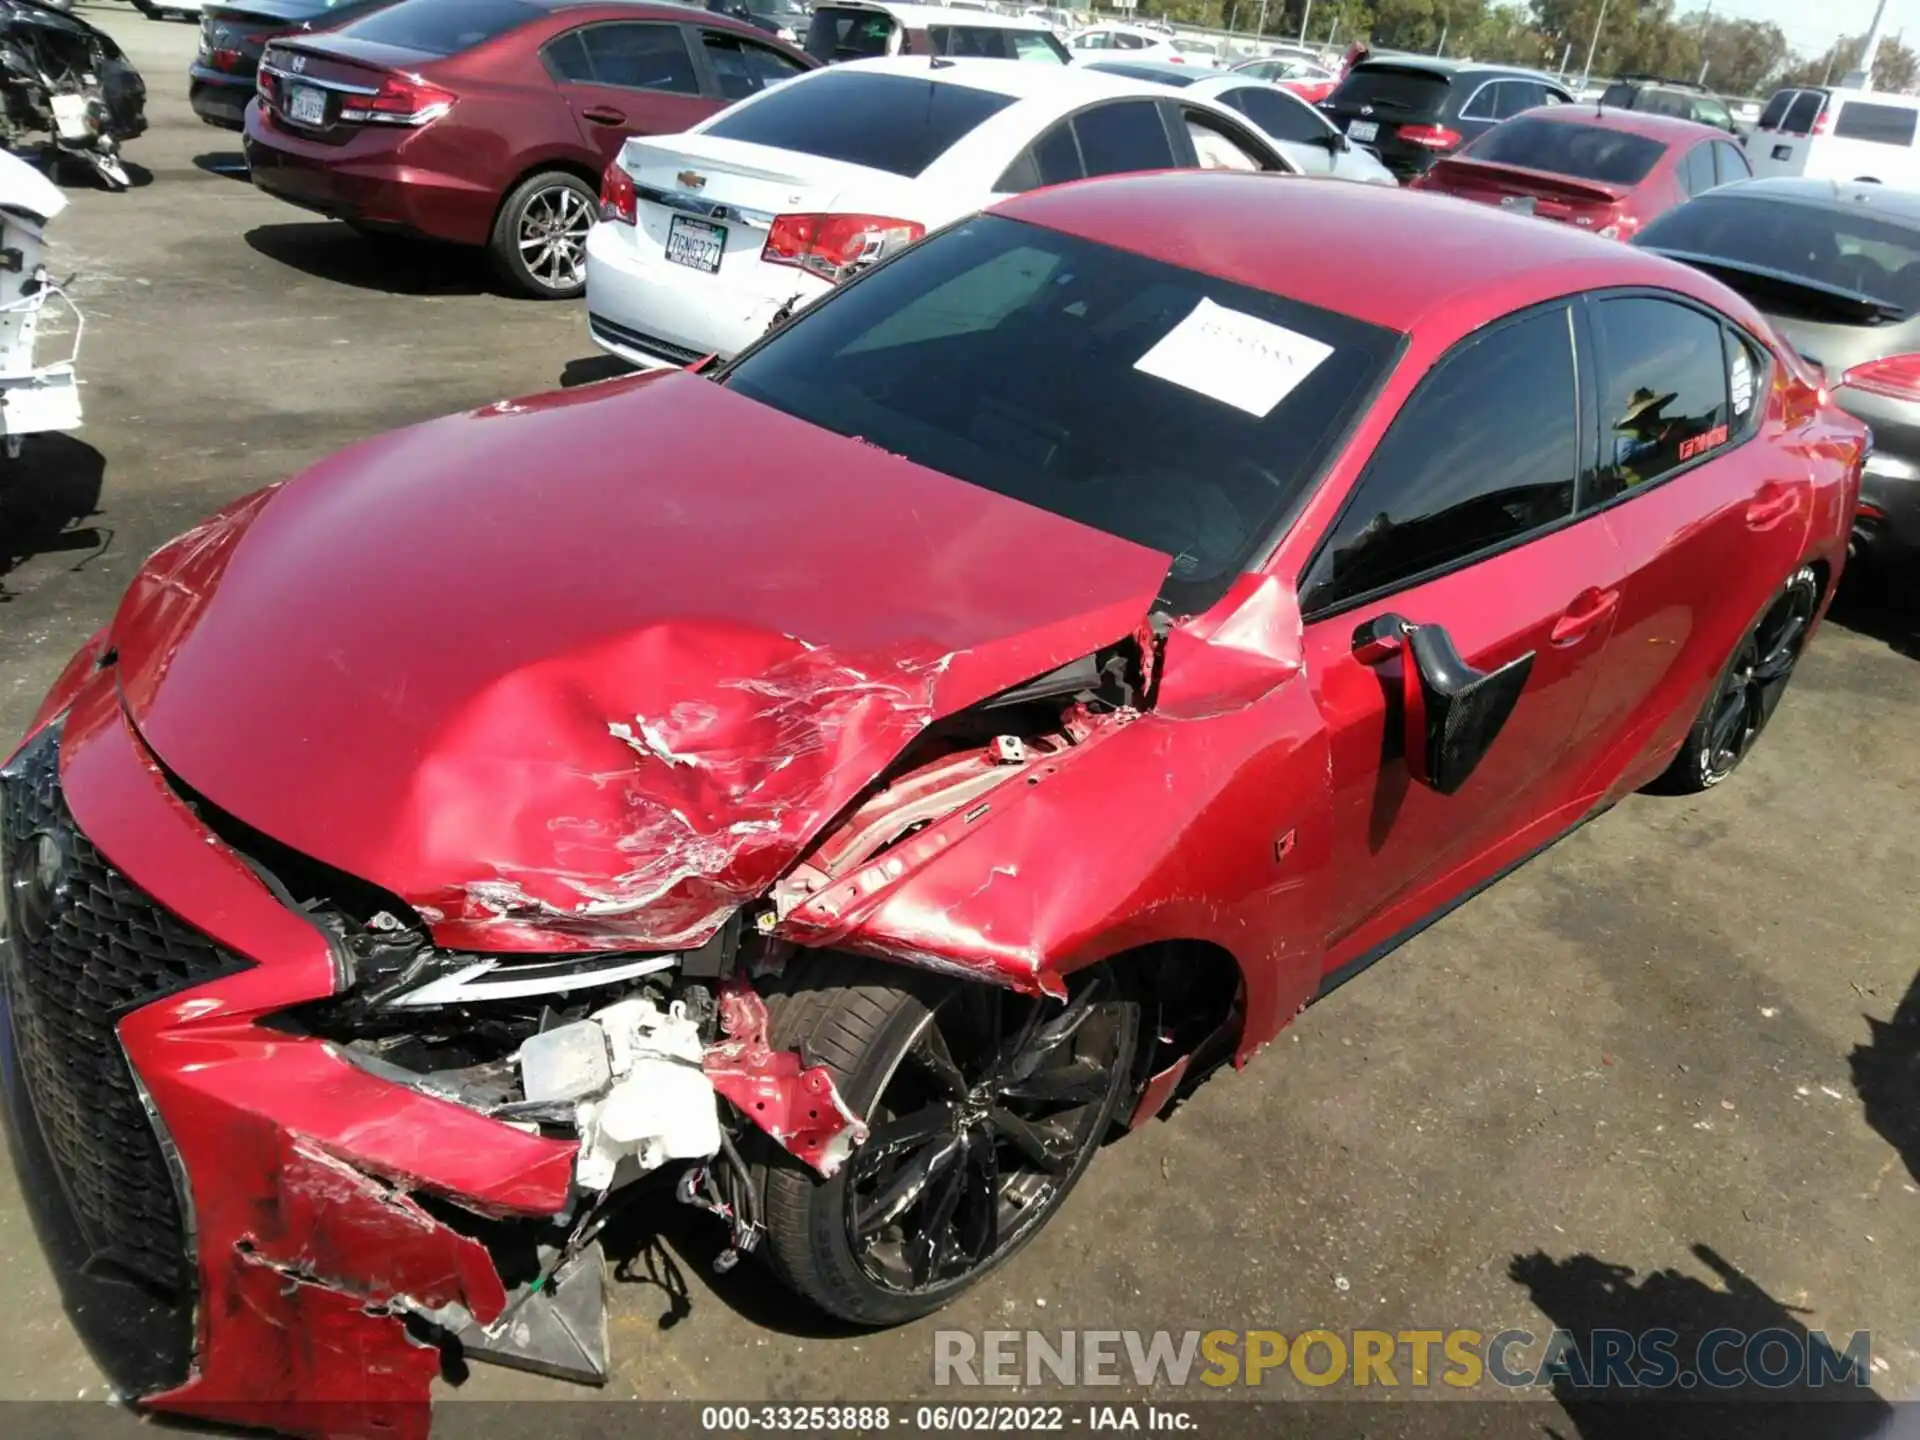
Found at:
[1568, 186]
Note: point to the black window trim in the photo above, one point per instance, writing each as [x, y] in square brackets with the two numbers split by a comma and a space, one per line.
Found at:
[696, 57]
[1737, 435]
[1571, 307]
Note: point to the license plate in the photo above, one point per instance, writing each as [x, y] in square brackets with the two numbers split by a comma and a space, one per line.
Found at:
[1362, 131]
[1519, 204]
[696, 243]
[307, 106]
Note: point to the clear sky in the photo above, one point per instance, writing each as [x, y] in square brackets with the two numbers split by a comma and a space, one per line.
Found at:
[1812, 25]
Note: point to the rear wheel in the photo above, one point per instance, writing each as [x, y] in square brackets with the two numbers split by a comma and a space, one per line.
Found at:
[539, 243]
[984, 1106]
[1747, 692]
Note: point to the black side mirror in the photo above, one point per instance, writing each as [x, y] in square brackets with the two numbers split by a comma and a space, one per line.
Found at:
[1336, 143]
[1453, 713]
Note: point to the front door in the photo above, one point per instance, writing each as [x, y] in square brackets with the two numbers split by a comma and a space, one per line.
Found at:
[1464, 518]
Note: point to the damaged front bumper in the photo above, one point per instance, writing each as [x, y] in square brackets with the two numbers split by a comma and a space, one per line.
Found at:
[259, 1224]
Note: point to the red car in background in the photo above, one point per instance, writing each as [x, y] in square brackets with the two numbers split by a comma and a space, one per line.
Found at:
[490, 122]
[1311, 82]
[1608, 171]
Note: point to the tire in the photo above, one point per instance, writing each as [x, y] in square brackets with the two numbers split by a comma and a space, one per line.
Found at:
[1747, 692]
[553, 206]
[907, 1050]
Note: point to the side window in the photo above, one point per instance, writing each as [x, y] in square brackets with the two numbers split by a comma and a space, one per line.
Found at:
[1123, 137]
[1097, 40]
[1732, 163]
[1481, 105]
[744, 68]
[1513, 96]
[1485, 451]
[1551, 96]
[1053, 159]
[1216, 147]
[1278, 113]
[639, 57]
[1035, 45]
[1124, 41]
[1663, 398]
[1880, 124]
[1696, 171]
[566, 58]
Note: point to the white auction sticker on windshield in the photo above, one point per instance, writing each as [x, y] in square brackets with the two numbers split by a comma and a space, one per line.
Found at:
[1742, 381]
[1235, 358]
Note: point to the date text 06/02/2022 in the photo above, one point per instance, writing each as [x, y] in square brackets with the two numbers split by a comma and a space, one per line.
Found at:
[1010, 1419]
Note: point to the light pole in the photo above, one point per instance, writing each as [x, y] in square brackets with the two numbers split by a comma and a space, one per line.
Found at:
[1586, 74]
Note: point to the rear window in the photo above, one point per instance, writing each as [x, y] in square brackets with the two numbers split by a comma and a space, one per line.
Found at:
[1880, 124]
[1776, 111]
[1179, 411]
[897, 123]
[1581, 152]
[443, 27]
[996, 42]
[1842, 252]
[837, 34]
[1396, 93]
[1804, 110]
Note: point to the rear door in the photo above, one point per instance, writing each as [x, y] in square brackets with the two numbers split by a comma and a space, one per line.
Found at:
[622, 78]
[1708, 522]
[1464, 517]
[1782, 139]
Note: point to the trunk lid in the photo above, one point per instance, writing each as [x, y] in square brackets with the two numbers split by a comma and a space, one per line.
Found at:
[1543, 193]
[572, 673]
[339, 68]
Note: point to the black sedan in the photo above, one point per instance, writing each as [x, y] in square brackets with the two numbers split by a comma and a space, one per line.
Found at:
[1836, 267]
[232, 37]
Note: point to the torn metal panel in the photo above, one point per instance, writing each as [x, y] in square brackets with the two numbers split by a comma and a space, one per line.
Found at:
[798, 1105]
[544, 743]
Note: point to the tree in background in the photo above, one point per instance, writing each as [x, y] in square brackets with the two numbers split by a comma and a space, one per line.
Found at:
[1895, 67]
[1741, 55]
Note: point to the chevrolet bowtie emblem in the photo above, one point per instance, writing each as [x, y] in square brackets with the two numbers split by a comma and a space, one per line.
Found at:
[692, 180]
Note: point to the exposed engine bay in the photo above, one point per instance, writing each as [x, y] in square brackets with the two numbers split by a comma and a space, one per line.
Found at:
[65, 80]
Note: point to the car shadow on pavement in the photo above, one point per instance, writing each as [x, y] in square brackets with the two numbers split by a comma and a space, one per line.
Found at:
[592, 369]
[227, 164]
[657, 1244]
[1886, 1076]
[328, 250]
[55, 483]
[1869, 609]
[1708, 1325]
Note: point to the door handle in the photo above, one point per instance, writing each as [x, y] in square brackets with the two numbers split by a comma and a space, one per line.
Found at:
[605, 115]
[1589, 608]
[1771, 506]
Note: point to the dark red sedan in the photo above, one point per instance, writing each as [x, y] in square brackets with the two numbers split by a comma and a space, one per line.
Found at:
[489, 122]
[851, 779]
[1608, 171]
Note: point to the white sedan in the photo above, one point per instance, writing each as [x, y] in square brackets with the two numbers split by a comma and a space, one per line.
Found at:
[1301, 132]
[707, 238]
[1136, 42]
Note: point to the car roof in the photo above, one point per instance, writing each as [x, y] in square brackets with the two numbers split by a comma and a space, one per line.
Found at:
[922, 17]
[1071, 85]
[1347, 248]
[1169, 72]
[1447, 69]
[1881, 200]
[1668, 129]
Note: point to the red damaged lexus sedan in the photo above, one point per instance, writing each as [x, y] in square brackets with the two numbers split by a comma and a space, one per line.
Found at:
[720, 776]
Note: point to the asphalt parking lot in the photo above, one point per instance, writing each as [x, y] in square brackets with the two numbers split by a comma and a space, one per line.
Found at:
[1653, 1079]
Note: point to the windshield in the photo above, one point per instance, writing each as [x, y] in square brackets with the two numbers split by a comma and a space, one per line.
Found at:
[443, 27]
[1184, 413]
[1581, 152]
[1840, 250]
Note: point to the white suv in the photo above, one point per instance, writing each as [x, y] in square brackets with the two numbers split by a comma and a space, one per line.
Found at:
[1833, 134]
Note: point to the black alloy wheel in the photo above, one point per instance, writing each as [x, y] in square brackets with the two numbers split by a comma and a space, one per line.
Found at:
[984, 1108]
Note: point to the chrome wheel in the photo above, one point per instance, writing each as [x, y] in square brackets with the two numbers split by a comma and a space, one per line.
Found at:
[1754, 682]
[552, 237]
[981, 1126]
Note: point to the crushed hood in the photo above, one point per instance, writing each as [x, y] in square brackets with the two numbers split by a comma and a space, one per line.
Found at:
[590, 670]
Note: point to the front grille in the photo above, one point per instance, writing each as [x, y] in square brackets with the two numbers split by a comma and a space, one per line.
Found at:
[100, 951]
[640, 340]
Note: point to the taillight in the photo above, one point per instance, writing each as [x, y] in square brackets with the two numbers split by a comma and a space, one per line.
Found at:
[1433, 137]
[1823, 122]
[1895, 376]
[617, 200]
[1621, 229]
[834, 246]
[402, 100]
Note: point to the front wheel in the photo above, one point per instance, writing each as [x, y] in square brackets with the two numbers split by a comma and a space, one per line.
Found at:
[539, 243]
[984, 1107]
[1747, 692]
